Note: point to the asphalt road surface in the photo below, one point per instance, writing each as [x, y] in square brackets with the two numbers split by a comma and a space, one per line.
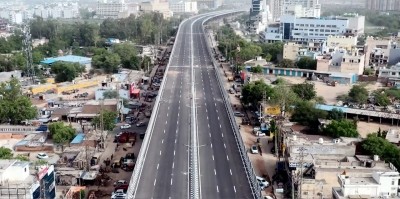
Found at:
[165, 171]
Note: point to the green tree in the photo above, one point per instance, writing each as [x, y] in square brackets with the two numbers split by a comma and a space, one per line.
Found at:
[22, 157]
[305, 91]
[5, 153]
[306, 114]
[272, 50]
[128, 55]
[257, 69]
[249, 51]
[341, 128]
[387, 151]
[369, 72]
[108, 120]
[61, 133]
[286, 63]
[110, 94]
[381, 98]
[358, 94]
[307, 63]
[15, 107]
[37, 56]
[253, 92]
[66, 71]
[107, 61]
[284, 97]
[336, 114]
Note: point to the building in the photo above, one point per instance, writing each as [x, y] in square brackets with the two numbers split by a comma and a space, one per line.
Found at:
[156, 6]
[339, 42]
[294, 51]
[208, 4]
[276, 9]
[85, 61]
[342, 61]
[301, 8]
[392, 72]
[375, 185]
[183, 7]
[356, 24]
[259, 17]
[306, 29]
[111, 9]
[382, 5]
[381, 52]
[393, 136]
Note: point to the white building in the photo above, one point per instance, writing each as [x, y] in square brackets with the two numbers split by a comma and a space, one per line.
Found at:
[111, 9]
[259, 17]
[183, 7]
[377, 185]
[302, 8]
[156, 6]
[392, 72]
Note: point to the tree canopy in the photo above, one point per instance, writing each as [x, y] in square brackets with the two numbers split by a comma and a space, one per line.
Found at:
[358, 94]
[307, 63]
[341, 128]
[110, 94]
[61, 133]
[387, 151]
[306, 114]
[253, 92]
[14, 106]
[305, 91]
[286, 63]
[335, 114]
[5, 153]
[66, 72]
[108, 120]
[106, 61]
[128, 55]
[257, 69]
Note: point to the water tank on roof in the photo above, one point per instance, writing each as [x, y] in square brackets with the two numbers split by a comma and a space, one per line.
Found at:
[321, 140]
[376, 157]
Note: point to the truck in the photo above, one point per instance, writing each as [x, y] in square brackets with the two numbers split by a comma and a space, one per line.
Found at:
[126, 137]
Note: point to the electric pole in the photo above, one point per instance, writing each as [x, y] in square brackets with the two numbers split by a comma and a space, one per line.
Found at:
[27, 50]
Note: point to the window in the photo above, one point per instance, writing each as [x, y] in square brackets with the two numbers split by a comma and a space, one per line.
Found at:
[393, 73]
[311, 29]
[311, 25]
[393, 182]
[318, 25]
[333, 26]
[322, 25]
[328, 26]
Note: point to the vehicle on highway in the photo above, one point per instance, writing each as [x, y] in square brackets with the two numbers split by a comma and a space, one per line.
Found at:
[120, 182]
[263, 181]
[126, 126]
[139, 124]
[42, 156]
[254, 149]
[238, 114]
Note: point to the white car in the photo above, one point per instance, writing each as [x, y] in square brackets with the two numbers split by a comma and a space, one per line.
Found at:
[120, 182]
[125, 126]
[118, 196]
[254, 149]
[42, 156]
[262, 181]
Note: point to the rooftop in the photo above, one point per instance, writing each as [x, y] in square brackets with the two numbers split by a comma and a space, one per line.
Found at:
[67, 58]
[393, 136]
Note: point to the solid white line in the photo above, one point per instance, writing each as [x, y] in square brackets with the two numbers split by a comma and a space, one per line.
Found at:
[158, 166]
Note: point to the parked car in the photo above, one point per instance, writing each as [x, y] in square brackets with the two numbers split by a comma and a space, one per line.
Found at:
[120, 182]
[126, 126]
[231, 91]
[142, 135]
[42, 156]
[254, 149]
[239, 114]
[139, 124]
[262, 181]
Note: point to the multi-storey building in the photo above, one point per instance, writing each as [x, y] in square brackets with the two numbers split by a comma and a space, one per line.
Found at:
[259, 15]
[383, 5]
[301, 8]
[183, 7]
[208, 4]
[342, 61]
[111, 9]
[160, 6]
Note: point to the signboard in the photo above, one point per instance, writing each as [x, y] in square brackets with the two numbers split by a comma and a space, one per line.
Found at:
[42, 173]
[272, 110]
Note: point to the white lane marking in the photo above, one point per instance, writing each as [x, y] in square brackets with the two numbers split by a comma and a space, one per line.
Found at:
[217, 189]
[175, 141]
[178, 114]
[155, 180]
[207, 117]
[171, 181]
[222, 135]
[206, 111]
[215, 172]
[220, 126]
[224, 146]
[209, 134]
[208, 125]
[230, 171]
[234, 188]
[166, 122]
[218, 117]
[215, 104]
[168, 109]
[167, 114]
[227, 157]
[211, 145]
[162, 141]
[164, 131]
[216, 109]
[173, 165]
[174, 153]
[160, 152]
[213, 157]
[158, 166]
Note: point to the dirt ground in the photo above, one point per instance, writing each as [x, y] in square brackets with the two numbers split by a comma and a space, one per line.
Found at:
[365, 128]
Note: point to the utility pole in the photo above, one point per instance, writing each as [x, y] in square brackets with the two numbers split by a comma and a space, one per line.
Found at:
[27, 50]
[102, 124]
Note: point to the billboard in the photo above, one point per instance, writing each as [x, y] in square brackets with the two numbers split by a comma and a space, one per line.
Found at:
[272, 110]
[46, 187]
